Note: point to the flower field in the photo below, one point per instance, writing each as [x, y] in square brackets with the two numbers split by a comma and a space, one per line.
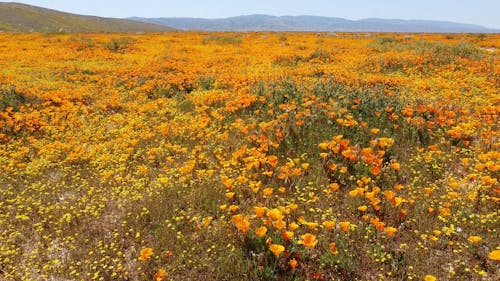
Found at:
[249, 156]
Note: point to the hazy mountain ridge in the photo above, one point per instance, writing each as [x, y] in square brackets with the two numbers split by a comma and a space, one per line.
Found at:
[314, 23]
[16, 17]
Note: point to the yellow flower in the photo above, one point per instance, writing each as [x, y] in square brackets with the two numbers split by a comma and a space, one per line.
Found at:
[309, 240]
[312, 225]
[475, 239]
[363, 208]
[494, 255]
[227, 182]
[267, 191]
[328, 224]
[323, 146]
[261, 231]
[429, 278]
[293, 226]
[145, 254]
[229, 195]
[293, 207]
[275, 214]
[293, 263]
[276, 249]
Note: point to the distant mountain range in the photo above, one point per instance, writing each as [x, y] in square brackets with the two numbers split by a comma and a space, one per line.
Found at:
[315, 23]
[15, 17]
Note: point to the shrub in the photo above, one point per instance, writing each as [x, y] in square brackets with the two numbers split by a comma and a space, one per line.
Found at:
[222, 40]
[119, 44]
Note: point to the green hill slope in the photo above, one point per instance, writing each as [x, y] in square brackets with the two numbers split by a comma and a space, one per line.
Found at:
[15, 17]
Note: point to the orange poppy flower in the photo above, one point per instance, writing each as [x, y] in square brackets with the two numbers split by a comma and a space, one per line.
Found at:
[241, 223]
[309, 240]
[261, 231]
[276, 249]
[275, 214]
[145, 254]
[494, 255]
[328, 224]
[259, 211]
[475, 239]
[333, 248]
[287, 235]
[430, 278]
[160, 275]
[344, 225]
[390, 231]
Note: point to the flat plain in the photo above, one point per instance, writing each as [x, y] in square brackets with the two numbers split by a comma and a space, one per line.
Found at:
[249, 156]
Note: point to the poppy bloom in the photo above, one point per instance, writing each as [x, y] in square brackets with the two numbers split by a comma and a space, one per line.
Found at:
[229, 195]
[390, 231]
[279, 224]
[259, 211]
[363, 208]
[429, 278]
[344, 225]
[160, 275]
[328, 224]
[275, 214]
[333, 248]
[276, 249]
[267, 191]
[227, 182]
[309, 240]
[475, 239]
[241, 223]
[494, 255]
[145, 254]
[261, 231]
[334, 186]
[287, 235]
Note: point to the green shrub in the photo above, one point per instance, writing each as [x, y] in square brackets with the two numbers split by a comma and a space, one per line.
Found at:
[222, 40]
[9, 97]
[119, 44]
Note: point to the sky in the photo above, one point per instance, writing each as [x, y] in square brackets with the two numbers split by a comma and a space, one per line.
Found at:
[481, 12]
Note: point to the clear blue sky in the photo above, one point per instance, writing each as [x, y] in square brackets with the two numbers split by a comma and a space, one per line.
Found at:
[482, 12]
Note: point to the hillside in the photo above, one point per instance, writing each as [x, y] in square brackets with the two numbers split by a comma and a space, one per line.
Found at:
[15, 17]
[314, 23]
